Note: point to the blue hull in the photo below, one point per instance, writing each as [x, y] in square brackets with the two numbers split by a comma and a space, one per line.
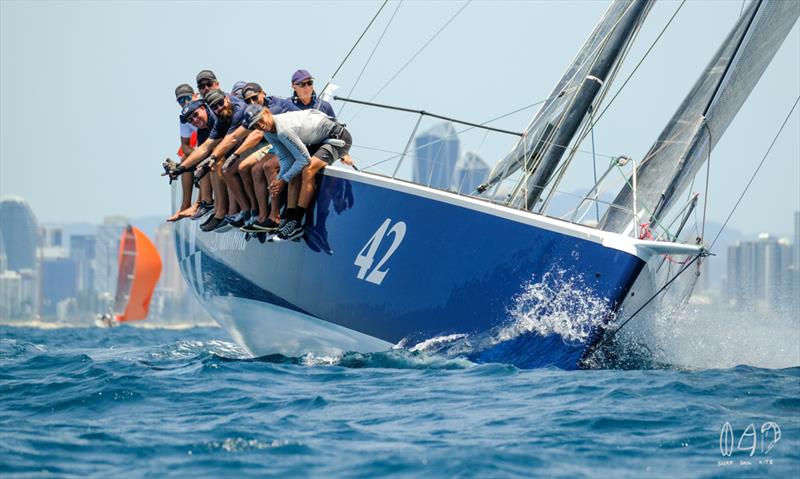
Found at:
[383, 261]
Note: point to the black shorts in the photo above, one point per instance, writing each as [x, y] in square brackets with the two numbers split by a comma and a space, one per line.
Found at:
[329, 153]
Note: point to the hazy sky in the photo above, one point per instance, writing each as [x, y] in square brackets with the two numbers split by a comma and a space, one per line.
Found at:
[88, 111]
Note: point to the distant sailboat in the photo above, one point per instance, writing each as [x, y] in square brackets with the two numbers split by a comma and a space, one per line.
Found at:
[139, 270]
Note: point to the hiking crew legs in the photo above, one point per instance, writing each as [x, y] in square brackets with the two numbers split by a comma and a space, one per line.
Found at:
[309, 174]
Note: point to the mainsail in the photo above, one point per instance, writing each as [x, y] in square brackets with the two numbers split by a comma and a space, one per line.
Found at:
[568, 106]
[696, 127]
[139, 270]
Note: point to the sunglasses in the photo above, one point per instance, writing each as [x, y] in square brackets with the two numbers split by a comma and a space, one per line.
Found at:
[204, 84]
[218, 106]
[194, 116]
[305, 83]
[184, 100]
[251, 99]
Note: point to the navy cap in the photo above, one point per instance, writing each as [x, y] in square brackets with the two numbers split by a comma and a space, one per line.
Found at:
[252, 114]
[301, 75]
[188, 109]
[206, 75]
[183, 89]
[237, 88]
[214, 96]
[251, 87]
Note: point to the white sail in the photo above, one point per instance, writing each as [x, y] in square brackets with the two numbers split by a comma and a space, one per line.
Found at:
[698, 124]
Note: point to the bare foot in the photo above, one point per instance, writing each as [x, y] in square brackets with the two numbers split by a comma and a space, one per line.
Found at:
[185, 213]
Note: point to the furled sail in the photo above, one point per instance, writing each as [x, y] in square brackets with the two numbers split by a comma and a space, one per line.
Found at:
[139, 270]
[696, 127]
[567, 107]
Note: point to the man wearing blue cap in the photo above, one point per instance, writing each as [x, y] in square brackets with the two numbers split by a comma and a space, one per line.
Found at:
[260, 167]
[304, 97]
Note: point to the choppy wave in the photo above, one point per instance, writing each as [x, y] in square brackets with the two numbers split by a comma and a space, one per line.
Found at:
[129, 402]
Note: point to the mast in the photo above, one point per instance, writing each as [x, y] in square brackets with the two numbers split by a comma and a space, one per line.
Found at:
[685, 143]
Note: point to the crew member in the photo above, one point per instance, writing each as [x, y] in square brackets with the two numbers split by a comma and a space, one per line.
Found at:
[289, 133]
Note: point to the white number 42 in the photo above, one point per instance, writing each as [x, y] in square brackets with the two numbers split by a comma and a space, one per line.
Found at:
[366, 256]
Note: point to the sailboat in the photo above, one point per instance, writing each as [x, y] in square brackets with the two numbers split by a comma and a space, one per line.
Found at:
[386, 262]
[138, 273]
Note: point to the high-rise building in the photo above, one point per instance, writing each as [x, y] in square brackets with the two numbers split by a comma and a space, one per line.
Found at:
[470, 171]
[759, 272]
[82, 251]
[107, 254]
[10, 295]
[3, 260]
[59, 280]
[20, 233]
[436, 154]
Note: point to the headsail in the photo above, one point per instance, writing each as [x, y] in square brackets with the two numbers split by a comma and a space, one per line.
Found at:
[567, 107]
[684, 144]
[139, 270]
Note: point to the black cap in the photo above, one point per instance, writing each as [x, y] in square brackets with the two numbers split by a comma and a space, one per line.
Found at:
[206, 75]
[189, 108]
[252, 114]
[183, 89]
[251, 88]
[214, 96]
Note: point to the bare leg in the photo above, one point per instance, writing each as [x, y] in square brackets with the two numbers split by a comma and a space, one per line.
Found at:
[220, 192]
[261, 192]
[294, 190]
[309, 184]
[186, 209]
[271, 168]
[246, 175]
[234, 182]
[206, 192]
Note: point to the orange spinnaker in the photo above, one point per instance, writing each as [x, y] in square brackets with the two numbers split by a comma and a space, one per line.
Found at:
[139, 270]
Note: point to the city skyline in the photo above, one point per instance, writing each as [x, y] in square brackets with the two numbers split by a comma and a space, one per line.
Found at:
[492, 83]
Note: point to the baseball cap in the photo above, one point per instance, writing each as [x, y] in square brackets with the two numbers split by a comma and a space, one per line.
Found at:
[188, 109]
[213, 97]
[184, 89]
[237, 88]
[301, 75]
[206, 75]
[251, 89]
[252, 114]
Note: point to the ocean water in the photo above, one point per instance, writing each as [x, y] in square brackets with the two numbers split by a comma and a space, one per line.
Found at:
[135, 402]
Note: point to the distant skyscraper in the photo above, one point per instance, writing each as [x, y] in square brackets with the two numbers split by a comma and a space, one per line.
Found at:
[470, 171]
[20, 233]
[3, 260]
[82, 251]
[759, 272]
[59, 281]
[107, 254]
[436, 154]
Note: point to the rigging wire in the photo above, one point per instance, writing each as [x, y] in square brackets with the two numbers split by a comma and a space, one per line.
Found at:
[357, 41]
[372, 53]
[414, 55]
[753, 177]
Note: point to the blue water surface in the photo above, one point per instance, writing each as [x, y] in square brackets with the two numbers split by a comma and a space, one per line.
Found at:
[132, 402]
